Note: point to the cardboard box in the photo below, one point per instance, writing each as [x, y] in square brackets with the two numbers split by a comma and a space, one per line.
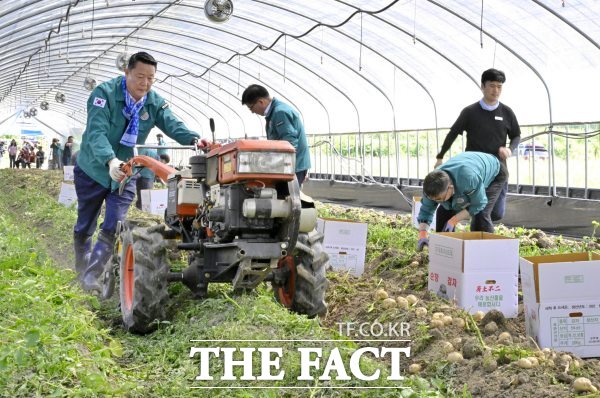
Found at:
[476, 270]
[415, 213]
[67, 195]
[562, 301]
[154, 201]
[346, 243]
[69, 175]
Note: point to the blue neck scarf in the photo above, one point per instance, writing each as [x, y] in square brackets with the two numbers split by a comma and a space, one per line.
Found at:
[488, 107]
[131, 111]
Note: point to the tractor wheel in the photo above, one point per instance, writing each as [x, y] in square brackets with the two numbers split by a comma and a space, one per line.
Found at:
[304, 289]
[143, 278]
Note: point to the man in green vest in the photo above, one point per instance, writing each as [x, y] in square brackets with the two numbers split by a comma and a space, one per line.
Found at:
[466, 186]
[282, 123]
[120, 114]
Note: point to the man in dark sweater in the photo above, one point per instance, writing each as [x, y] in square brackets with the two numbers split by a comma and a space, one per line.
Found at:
[488, 123]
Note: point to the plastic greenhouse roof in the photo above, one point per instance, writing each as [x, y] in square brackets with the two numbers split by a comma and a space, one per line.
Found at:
[346, 65]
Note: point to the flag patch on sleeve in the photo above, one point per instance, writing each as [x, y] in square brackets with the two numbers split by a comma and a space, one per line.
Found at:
[99, 102]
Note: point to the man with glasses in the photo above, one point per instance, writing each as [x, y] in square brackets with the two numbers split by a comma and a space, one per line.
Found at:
[282, 123]
[466, 186]
[120, 114]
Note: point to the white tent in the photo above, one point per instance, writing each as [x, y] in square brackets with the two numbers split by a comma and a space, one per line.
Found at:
[354, 65]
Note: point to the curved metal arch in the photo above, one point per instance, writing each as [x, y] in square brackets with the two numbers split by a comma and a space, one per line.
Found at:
[161, 30]
[383, 56]
[508, 48]
[47, 40]
[566, 21]
[107, 69]
[426, 44]
[77, 91]
[152, 39]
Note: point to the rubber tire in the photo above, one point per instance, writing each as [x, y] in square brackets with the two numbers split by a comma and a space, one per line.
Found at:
[310, 283]
[144, 302]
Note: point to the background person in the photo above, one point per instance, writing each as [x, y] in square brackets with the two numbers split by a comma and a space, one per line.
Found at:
[282, 123]
[12, 154]
[67, 151]
[120, 114]
[56, 154]
[467, 185]
[488, 123]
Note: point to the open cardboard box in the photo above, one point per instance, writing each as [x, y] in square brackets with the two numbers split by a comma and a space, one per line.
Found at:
[476, 270]
[562, 301]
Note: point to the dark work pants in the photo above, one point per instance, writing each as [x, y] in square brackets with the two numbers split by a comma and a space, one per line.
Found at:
[91, 196]
[12, 159]
[142, 183]
[482, 221]
[301, 176]
[500, 206]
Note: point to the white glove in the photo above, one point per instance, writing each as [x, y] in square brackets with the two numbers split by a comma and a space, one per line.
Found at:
[114, 169]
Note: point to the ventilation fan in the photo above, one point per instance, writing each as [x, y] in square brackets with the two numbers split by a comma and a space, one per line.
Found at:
[121, 61]
[26, 115]
[44, 105]
[218, 10]
[32, 112]
[60, 97]
[89, 83]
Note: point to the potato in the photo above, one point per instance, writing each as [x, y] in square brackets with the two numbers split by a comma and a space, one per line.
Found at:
[583, 384]
[447, 320]
[414, 368]
[421, 312]
[381, 294]
[454, 357]
[458, 322]
[447, 347]
[412, 299]
[389, 303]
[438, 315]
[478, 316]
[402, 302]
[524, 363]
[436, 324]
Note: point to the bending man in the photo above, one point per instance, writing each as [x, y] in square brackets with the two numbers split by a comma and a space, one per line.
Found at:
[466, 186]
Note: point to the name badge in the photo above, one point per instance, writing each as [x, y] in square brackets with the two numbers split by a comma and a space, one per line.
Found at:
[145, 116]
[498, 117]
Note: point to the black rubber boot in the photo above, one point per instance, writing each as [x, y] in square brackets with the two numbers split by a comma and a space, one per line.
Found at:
[103, 250]
[82, 245]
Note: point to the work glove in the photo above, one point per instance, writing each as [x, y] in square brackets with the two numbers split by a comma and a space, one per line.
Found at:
[200, 144]
[114, 169]
[450, 225]
[423, 241]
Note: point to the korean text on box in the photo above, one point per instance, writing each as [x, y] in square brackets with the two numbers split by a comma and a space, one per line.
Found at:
[476, 270]
[345, 242]
[562, 301]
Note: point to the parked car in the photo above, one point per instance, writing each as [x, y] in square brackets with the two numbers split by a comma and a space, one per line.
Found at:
[537, 151]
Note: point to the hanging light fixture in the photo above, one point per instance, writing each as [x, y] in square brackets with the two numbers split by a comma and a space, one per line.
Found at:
[121, 61]
[89, 83]
[60, 97]
[44, 105]
[218, 10]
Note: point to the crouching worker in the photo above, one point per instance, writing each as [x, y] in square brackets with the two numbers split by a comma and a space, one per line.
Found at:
[466, 186]
[120, 114]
